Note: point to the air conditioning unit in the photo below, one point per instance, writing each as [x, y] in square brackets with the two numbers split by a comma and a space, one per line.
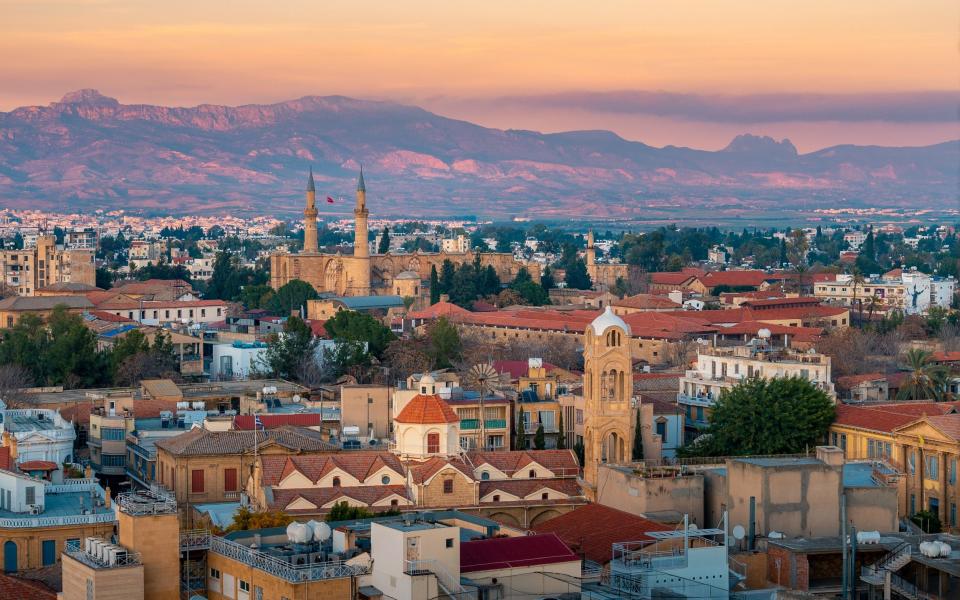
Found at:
[35, 509]
[116, 555]
[96, 546]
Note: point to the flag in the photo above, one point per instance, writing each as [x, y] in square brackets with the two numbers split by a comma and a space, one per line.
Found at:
[329, 200]
[257, 423]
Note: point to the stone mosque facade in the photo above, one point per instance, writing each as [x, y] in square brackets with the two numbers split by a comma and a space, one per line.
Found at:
[366, 274]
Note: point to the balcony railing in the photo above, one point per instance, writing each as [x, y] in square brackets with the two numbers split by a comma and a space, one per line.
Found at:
[30, 521]
[695, 400]
[283, 569]
[472, 424]
[125, 559]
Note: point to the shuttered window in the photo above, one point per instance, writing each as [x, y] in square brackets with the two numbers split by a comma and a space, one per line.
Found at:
[229, 480]
[196, 481]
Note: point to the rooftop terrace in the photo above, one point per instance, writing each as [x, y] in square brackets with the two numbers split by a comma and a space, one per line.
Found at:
[79, 502]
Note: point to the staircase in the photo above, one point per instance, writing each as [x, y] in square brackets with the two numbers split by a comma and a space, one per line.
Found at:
[892, 561]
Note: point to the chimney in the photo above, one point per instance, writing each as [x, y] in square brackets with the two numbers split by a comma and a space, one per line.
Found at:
[106, 497]
[444, 297]
[830, 455]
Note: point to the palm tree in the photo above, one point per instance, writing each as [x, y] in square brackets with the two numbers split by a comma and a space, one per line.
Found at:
[858, 281]
[872, 305]
[927, 380]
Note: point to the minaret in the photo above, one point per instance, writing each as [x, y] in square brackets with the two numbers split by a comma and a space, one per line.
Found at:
[591, 252]
[361, 241]
[310, 218]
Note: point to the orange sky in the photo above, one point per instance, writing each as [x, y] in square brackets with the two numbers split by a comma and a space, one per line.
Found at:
[447, 55]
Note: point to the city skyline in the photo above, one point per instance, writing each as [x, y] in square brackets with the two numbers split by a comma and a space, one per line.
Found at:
[818, 74]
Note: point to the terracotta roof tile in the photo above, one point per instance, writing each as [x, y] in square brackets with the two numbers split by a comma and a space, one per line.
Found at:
[21, 589]
[367, 495]
[524, 487]
[200, 442]
[562, 463]
[360, 465]
[440, 309]
[427, 408]
[422, 472]
[591, 530]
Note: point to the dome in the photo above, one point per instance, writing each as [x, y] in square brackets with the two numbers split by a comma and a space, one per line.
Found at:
[426, 409]
[608, 320]
[408, 275]
[427, 378]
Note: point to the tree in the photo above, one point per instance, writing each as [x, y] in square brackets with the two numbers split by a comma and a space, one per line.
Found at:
[539, 441]
[532, 293]
[245, 519]
[352, 326]
[637, 453]
[580, 451]
[928, 521]
[384, 245]
[406, 356]
[434, 285]
[577, 276]
[562, 435]
[216, 232]
[767, 416]
[927, 380]
[447, 272]
[619, 288]
[546, 279]
[71, 354]
[256, 296]
[287, 349]
[519, 433]
[104, 279]
[443, 344]
[14, 379]
[292, 296]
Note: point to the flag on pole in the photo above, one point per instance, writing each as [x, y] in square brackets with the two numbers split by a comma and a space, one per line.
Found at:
[257, 423]
[329, 200]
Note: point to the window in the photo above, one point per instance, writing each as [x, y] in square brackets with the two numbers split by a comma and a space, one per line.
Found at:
[532, 473]
[433, 443]
[449, 543]
[114, 460]
[394, 502]
[31, 495]
[385, 480]
[214, 574]
[447, 486]
[336, 482]
[545, 496]
[113, 433]
[953, 514]
[229, 480]
[496, 497]
[932, 467]
[662, 431]
[244, 586]
[953, 471]
[485, 476]
[196, 481]
[843, 442]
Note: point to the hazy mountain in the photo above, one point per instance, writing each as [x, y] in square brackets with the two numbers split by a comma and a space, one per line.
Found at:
[89, 151]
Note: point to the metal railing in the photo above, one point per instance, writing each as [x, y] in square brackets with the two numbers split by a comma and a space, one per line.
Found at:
[122, 559]
[194, 539]
[447, 582]
[282, 569]
[32, 521]
[147, 502]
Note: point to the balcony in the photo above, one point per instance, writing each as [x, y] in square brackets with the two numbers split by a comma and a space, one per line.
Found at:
[695, 400]
[473, 424]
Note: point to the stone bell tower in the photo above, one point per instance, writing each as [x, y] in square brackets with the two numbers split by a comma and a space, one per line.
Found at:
[607, 389]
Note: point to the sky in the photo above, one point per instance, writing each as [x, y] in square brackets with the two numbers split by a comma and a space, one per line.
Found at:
[681, 72]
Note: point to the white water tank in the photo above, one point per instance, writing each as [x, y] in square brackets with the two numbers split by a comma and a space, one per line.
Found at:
[868, 537]
[299, 533]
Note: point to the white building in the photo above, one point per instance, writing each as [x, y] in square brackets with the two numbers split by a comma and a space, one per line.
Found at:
[427, 426]
[911, 291]
[40, 434]
[237, 360]
[414, 559]
[855, 239]
[459, 244]
[717, 255]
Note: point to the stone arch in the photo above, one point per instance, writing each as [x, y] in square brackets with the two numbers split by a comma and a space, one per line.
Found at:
[505, 518]
[411, 440]
[414, 265]
[546, 515]
[613, 445]
[333, 277]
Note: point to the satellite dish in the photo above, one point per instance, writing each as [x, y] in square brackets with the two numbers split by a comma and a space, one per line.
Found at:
[739, 532]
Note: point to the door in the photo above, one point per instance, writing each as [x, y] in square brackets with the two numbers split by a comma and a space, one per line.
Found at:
[10, 557]
[49, 552]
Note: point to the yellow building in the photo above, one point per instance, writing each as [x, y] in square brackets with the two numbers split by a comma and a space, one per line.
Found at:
[361, 274]
[26, 270]
[920, 440]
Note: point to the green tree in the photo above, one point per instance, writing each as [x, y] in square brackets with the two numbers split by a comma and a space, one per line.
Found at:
[580, 451]
[447, 272]
[292, 296]
[562, 435]
[443, 344]
[352, 326]
[519, 434]
[523, 276]
[245, 519]
[434, 285]
[104, 278]
[577, 276]
[539, 441]
[546, 279]
[928, 521]
[638, 438]
[216, 232]
[532, 293]
[927, 380]
[72, 357]
[489, 282]
[767, 416]
[287, 351]
[619, 288]
[256, 296]
[384, 245]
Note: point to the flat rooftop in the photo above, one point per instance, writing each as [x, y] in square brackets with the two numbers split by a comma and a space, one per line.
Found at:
[22, 423]
[775, 461]
[65, 504]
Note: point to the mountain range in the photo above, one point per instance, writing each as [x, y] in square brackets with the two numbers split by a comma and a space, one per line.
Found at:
[89, 151]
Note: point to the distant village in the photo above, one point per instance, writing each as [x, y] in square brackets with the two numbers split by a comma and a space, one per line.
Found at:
[252, 409]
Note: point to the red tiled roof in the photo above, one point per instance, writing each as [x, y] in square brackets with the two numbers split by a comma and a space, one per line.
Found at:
[318, 328]
[591, 530]
[367, 495]
[560, 462]
[440, 309]
[947, 424]
[888, 416]
[735, 278]
[427, 408]
[848, 381]
[646, 301]
[421, 472]
[767, 303]
[946, 356]
[245, 422]
[522, 488]
[512, 552]
[671, 278]
[360, 465]
[37, 465]
[108, 316]
[22, 589]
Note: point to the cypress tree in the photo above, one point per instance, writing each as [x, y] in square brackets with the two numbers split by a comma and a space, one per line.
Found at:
[434, 285]
[539, 441]
[562, 437]
[384, 246]
[638, 439]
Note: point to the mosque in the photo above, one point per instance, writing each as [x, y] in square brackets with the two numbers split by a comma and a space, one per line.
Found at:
[366, 274]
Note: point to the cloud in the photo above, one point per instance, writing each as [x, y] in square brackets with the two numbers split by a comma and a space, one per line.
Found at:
[894, 107]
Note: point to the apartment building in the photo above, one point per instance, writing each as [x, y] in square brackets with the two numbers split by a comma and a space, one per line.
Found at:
[722, 368]
[912, 292]
[24, 271]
